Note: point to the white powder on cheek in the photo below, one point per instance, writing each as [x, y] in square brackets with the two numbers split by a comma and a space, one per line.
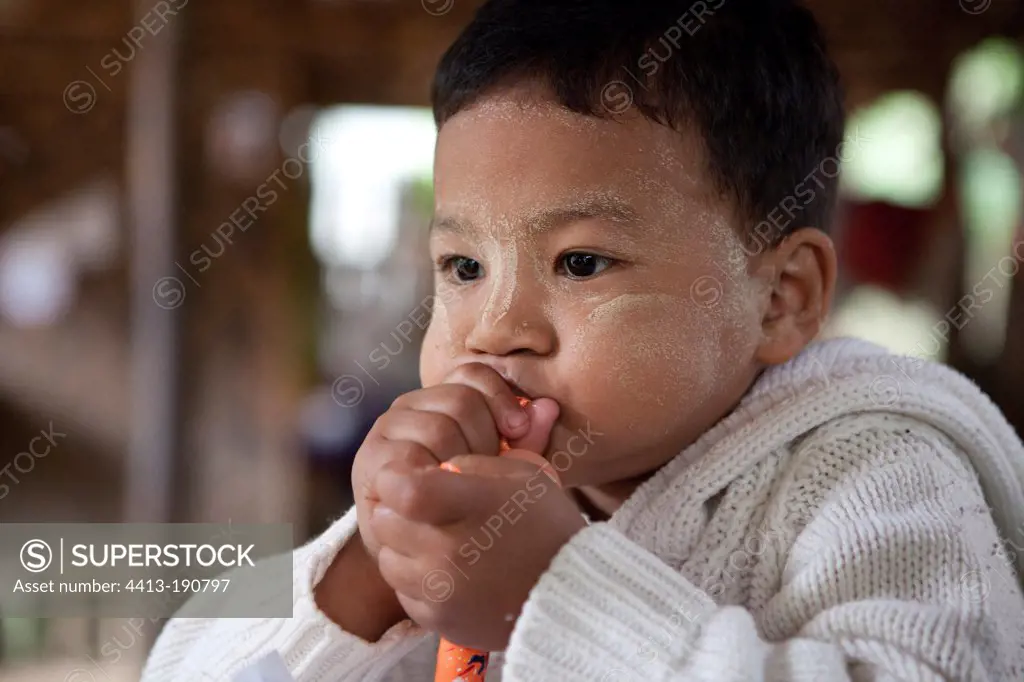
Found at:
[724, 266]
[441, 325]
[626, 302]
[727, 261]
[740, 303]
[651, 330]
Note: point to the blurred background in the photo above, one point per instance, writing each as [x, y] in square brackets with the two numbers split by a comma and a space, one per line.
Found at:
[212, 246]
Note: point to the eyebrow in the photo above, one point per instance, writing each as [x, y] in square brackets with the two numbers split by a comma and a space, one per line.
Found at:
[611, 209]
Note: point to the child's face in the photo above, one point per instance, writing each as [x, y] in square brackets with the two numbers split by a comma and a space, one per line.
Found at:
[591, 261]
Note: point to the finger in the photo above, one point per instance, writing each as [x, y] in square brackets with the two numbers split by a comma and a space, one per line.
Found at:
[512, 420]
[398, 570]
[417, 586]
[413, 454]
[543, 415]
[465, 405]
[420, 609]
[435, 496]
[520, 464]
[513, 463]
[408, 538]
[437, 432]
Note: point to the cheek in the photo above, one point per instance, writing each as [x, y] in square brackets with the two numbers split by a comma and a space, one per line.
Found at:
[437, 356]
[659, 353]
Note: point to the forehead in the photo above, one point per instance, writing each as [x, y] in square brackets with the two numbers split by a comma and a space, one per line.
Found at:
[516, 152]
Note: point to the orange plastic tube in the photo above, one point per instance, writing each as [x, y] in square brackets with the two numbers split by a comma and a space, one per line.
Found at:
[458, 663]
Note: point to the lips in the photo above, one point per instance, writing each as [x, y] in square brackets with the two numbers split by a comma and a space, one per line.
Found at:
[517, 389]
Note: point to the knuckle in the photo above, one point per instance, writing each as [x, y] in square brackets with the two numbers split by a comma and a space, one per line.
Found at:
[459, 393]
[441, 433]
[400, 402]
[410, 498]
[367, 455]
[380, 425]
[413, 454]
[465, 405]
[404, 451]
[365, 489]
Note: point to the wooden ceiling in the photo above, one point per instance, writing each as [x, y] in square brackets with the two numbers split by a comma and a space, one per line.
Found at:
[375, 51]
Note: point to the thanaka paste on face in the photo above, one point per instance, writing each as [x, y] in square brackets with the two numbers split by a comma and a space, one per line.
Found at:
[632, 353]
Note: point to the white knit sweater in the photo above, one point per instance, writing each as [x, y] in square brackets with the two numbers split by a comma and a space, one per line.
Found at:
[831, 528]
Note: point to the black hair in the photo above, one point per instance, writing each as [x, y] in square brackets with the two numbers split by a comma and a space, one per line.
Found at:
[752, 75]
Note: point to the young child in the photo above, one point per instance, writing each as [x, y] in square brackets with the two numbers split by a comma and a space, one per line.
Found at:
[631, 199]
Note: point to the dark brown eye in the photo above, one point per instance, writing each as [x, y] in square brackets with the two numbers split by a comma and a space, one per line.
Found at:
[580, 265]
[465, 269]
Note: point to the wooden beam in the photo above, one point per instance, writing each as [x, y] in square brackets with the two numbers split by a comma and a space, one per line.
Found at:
[249, 286]
[151, 179]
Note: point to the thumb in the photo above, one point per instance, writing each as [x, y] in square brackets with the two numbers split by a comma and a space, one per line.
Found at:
[543, 413]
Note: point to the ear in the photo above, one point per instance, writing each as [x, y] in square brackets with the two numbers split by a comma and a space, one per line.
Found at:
[800, 275]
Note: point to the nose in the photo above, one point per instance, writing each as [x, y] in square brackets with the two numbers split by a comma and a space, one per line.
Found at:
[518, 326]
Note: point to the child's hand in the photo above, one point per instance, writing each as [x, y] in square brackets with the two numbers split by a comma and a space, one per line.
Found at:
[463, 550]
[468, 413]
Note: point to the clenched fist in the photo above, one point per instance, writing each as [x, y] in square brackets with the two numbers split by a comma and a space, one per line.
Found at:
[468, 413]
[463, 550]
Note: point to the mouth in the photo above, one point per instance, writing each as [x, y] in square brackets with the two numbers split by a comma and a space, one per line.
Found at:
[517, 389]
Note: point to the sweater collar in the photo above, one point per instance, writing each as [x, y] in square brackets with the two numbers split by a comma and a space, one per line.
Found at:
[829, 379]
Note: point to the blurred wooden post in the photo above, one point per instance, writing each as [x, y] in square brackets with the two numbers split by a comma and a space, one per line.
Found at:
[250, 280]
[151, 184]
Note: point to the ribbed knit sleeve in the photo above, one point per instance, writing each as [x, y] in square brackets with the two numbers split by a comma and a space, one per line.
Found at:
[893, 578]
[312, 646]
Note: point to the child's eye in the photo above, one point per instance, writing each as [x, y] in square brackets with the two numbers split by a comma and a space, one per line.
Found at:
[579, 265]
[460, 268]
